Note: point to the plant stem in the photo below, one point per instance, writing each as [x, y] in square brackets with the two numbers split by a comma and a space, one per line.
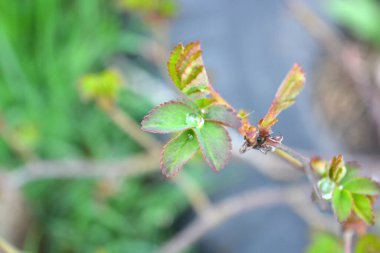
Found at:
[234, 206]
[299, 161]
[347, 237]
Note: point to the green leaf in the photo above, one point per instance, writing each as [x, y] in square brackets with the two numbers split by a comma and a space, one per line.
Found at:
[204, 102]
[368, 244]
[223, 115]
[362, 185]
[177, 152]
[215, 144]
[325, 243]
[285, 97]
[173, 59]
[168, 117]
[363, 208]
[187, 70]
[342, 204]
[352, 171]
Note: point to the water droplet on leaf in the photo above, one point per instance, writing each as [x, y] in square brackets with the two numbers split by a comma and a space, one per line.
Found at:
[194, 120]
[326, 187]
[190, 136]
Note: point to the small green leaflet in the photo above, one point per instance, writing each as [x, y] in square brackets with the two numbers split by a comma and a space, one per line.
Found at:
[178, 151]
[362, 185]
[342, 204]
[168, 117]
[363, 208]
[223, 115]
[215, 144]
[187, 71]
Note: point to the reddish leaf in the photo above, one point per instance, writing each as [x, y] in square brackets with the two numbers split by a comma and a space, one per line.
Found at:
[284, 98]
[187, 70]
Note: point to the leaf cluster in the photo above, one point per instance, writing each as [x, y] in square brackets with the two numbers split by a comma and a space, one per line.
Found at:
[198, 119]
[349, 194]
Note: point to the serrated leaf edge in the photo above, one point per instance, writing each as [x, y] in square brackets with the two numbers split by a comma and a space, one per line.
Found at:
[209, 163]
[154, 109]
[352, 207]
[222, 122]
[375, 182]
[162, 166]
[372, 220]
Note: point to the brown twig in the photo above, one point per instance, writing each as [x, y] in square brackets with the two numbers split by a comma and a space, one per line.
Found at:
[133, 166]
[228, 209]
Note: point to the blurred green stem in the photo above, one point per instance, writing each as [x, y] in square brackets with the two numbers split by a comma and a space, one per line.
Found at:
[130, 127]
[347, 237]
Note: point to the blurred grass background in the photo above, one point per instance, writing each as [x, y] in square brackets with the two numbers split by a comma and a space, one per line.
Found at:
[46, 46]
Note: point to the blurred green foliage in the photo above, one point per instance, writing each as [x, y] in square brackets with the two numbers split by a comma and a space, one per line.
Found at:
[77, 217]
[162, 8]
[361, 17]
[46, 46]
[326, 243]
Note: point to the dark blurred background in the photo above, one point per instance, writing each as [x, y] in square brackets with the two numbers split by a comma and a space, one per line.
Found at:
[68, 183]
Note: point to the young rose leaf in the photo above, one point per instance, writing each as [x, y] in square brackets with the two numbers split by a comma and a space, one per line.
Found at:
[342, 204]
[170, 117]
[215, 144]
[352, 171]
[337, 169]
[284, 98]
[368, 244]
[363, 208]
[177, 152]
[362, 185]
[223, 115]
[204, 102]
[187, 70]
[173, 59]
